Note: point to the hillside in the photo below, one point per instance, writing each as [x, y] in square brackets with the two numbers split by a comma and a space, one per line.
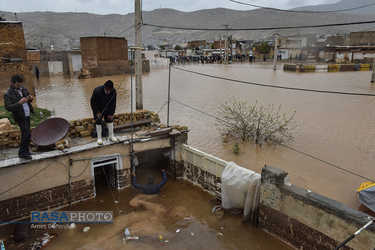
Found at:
[63, 30]
[350, 6]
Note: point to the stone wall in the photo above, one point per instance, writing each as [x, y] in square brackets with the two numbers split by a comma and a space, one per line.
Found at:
[78, 128]
[206, 180]
[84, 127]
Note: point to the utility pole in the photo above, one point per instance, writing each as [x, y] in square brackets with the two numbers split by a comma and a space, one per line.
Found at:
[373, 71]
[275, 51]
[226, 45]
[138, 56]
[220, 46]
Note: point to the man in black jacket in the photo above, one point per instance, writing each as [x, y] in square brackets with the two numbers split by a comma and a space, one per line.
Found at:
[18, 100]
[103, 105]
[151, 187]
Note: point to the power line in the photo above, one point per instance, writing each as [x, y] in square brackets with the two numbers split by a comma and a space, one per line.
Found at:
[343, 169]
[262, 28]
[19, 184]
[125, 30]
[273, 86]
[302, 11]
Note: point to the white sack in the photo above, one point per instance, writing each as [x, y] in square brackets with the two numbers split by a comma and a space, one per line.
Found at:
[240, 189]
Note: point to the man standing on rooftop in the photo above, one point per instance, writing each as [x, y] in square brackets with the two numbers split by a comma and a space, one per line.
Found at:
[17, 99]
[103, 105]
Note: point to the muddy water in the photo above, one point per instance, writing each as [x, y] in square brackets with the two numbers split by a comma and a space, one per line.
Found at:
[334, 134]
[336, 129]
[181, 213]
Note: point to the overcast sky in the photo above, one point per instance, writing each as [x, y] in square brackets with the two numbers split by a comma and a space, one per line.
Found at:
[127, 6]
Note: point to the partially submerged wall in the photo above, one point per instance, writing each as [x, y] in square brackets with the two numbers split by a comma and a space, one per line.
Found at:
[308, 220]
[301, 218]
[327, 67]
[56, 179]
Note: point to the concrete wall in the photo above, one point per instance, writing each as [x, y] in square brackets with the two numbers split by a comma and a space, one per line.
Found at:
[308, 220]
[57, 178]
[302, 219]
[69, 61]
[327, 68]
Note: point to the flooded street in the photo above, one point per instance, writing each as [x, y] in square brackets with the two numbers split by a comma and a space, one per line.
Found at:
[333, 147]
[332, 152]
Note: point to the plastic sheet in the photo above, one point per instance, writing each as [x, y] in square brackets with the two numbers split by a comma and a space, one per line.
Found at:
[240, 190]
[367, 197]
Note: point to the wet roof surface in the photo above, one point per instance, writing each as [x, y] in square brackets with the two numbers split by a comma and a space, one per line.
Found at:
[9, 156]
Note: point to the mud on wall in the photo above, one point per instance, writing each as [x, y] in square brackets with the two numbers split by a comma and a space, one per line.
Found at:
[301, 218]
[308, 220]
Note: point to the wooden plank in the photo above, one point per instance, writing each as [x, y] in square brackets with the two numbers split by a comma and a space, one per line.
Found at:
[135, 124]
[159, 132]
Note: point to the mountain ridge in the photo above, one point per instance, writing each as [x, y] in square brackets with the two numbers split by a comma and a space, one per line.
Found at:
[64, 30]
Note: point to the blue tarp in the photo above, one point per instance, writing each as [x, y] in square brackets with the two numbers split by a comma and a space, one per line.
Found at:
[367, 197]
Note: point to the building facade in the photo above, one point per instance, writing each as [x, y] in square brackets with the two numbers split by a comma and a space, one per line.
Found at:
[13, 57]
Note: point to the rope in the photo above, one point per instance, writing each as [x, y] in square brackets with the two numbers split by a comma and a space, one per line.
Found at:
[109, 187]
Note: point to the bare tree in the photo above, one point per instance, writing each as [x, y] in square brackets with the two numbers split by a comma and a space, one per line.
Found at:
[255, 123]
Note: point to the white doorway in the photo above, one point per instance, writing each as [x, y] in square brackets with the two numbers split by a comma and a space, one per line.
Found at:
[105, 169]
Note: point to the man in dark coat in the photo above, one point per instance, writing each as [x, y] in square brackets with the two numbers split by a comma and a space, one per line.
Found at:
[18, 100]
[103, 105]
[150, 188]
[37, 72]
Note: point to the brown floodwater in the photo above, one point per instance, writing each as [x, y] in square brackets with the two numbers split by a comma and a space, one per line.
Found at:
[181, 213]
[332, 152]
[333, 142]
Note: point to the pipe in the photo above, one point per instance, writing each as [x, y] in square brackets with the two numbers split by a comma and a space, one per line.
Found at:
[353, 235]
[169, 92]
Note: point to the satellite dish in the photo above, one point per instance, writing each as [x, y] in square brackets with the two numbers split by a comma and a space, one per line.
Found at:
[50, 131]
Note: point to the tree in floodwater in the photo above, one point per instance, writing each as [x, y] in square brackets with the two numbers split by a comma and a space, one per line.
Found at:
[258, 124]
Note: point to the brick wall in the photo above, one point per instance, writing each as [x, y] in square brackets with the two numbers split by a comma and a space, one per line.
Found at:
[12, 40]
[49, 199]
[13, 47]
[10, 69]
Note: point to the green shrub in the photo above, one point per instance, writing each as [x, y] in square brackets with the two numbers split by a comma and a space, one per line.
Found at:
[41, 114]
